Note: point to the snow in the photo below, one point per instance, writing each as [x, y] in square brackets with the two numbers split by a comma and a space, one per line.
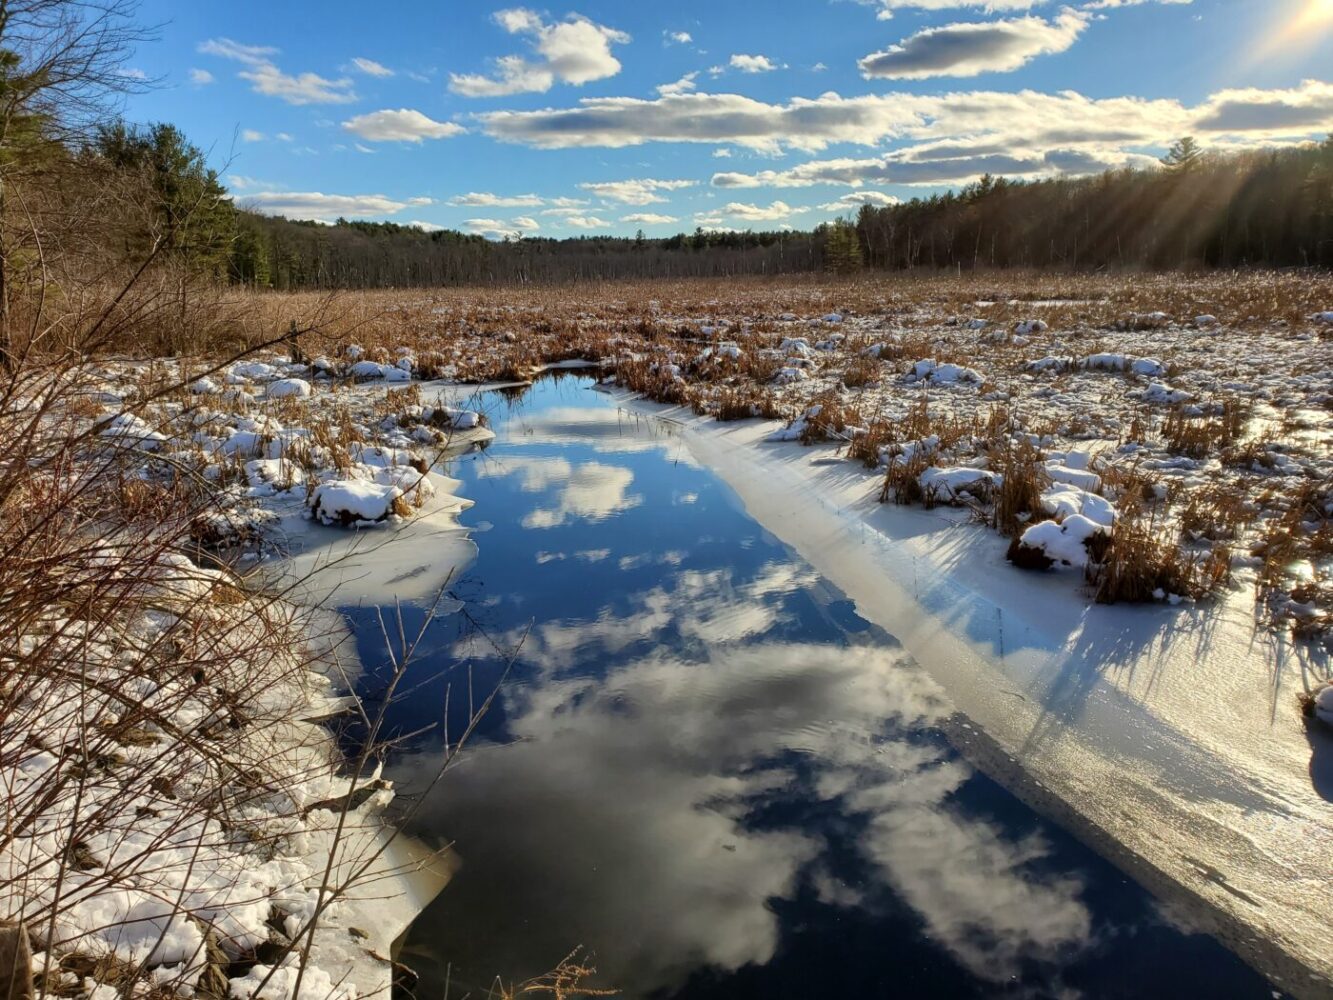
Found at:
[1062, 501]
[1063, 542]
[366, 369]
[1079, 477]
[797, 427]
[1323, 703]
[348, 501]
[952, 484]
[132, 432]
[1163, 395]
[286, 387]
[942, 374]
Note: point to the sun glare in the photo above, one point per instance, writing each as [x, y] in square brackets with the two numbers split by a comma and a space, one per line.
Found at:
[1304, 27]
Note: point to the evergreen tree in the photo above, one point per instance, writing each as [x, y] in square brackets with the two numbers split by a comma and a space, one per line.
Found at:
[1183, 155]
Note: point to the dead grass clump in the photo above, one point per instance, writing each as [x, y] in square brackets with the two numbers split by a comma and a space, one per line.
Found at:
[1198, 437]
[902, 481]
[862, 372]
[830, 419]
[1017, 499]
[1144, 562]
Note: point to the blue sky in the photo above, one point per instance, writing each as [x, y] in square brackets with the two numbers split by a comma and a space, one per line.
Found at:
[608, 117]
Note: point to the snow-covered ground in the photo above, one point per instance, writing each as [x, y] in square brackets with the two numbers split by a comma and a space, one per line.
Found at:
[1168, 734]
[178, 816]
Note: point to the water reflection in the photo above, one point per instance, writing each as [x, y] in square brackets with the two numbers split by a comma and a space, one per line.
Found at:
[709, 770]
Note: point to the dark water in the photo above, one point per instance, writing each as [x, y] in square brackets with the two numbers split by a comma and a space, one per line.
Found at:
[706, 769]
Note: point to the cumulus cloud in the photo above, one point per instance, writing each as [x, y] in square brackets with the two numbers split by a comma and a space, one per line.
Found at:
[327, 207]
[499, 228]
[1298, 111]
[635, 192]
[677, 37]
[586, 222]
[266, 78]
[304, 88]
[403, 125]
[575, 51]
[371, 68]
[854, 201]
[682, 86]
[744, 212]
[427, 227]
[887, 7]
[649, 219]
[753, 64]
[970, 49]
[484, 199]
[201, 77]
[1015, 124]
[924, 166]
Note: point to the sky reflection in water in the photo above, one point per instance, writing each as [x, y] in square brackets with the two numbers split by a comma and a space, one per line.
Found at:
[710, 771]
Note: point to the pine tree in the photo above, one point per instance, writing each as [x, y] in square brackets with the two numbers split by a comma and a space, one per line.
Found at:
[1183, 155]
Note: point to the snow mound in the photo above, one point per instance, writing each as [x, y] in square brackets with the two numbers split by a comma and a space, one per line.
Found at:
[1081, 478]
[1063, 542]
[348, 501]
[950, 484]
[129, 431]
[287, 387]
[943, 374]
[1063, 501]
[797, 428]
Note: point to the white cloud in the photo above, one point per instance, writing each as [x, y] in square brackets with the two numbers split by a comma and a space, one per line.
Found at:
[678, 37]
[266, 78]
[251, 135]
[745, 212]
[969, 49]
[228, 49]
[428, 227]
[649, 219]
[811, 124]
[635, 192]
[403, 125]
[924, 165]
[586, 222]
[371, 68]
[201, 77]
[682, 86]
[753, 64]
[887, 7]
[1296, 112]
[484, 199]
[499, 228]
[877, 199]
[326, 207]
[574, 51]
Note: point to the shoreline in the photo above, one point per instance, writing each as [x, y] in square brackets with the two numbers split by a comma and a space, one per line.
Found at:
[1111, 719]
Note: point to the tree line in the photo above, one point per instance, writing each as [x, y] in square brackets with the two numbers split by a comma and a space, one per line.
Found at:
[1266, 207]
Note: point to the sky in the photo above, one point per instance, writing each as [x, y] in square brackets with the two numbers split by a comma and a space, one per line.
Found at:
[614, 116]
